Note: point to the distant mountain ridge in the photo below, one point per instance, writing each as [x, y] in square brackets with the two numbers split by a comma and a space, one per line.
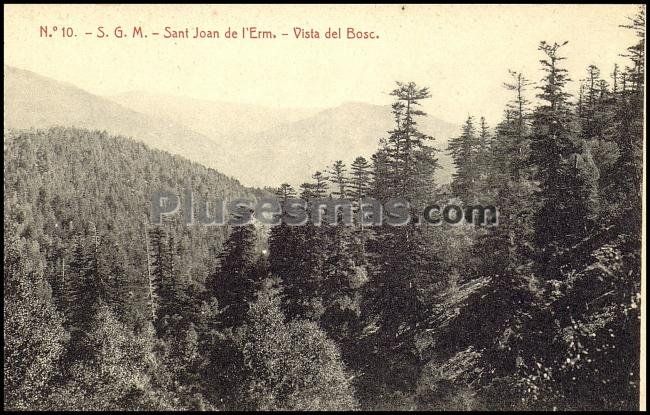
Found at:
[214, 119]
[35, 101]
[258, 146]
[341, 133]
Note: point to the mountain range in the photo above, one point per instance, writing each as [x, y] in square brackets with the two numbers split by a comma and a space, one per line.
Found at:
[258, 146]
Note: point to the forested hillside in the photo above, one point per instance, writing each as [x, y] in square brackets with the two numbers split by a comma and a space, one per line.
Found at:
[104, 310]
[77, 206]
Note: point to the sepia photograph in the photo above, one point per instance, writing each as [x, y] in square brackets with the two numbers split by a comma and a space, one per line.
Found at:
[331, 207]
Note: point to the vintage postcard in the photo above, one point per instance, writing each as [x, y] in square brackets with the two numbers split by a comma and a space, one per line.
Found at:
[324, 207]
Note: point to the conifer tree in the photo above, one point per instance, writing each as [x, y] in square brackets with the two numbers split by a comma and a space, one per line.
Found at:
[483, 161]
[463, 150]
[341, 310]
[339, 180]
[286, 244]
[235, 281]
[282, 245]
[360, 180]
[360, 187]
[89, 285]
[160, 267]
[565, 170]
[401, 265]
[516, 132]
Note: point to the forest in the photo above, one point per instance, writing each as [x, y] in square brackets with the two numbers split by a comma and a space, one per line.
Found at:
[106, 311]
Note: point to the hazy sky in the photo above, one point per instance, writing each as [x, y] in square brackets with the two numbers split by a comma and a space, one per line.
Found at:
[462, 52]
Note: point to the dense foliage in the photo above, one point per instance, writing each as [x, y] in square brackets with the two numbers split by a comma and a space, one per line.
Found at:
[104, 310]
